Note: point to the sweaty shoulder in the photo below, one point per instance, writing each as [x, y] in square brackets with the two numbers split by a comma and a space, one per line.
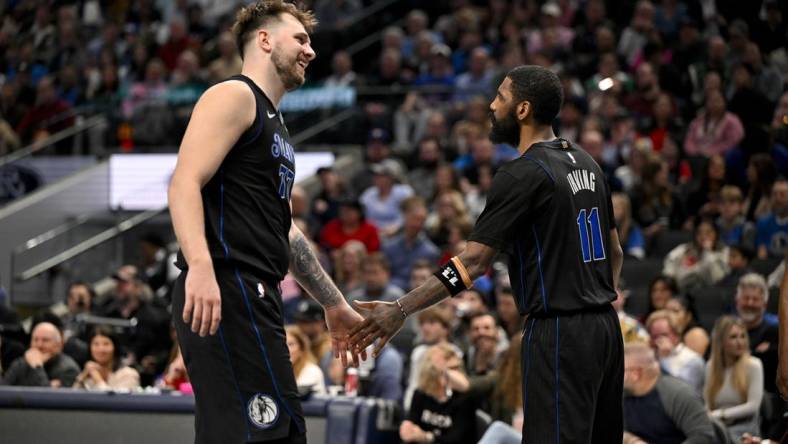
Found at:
[231, 101]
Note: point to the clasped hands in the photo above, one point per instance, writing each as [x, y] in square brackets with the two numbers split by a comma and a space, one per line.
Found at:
[352, 331]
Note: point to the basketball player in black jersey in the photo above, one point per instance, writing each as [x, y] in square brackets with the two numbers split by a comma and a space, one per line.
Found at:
[550, 211]
[229, 201]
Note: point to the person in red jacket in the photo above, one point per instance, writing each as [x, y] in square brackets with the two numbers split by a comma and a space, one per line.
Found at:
[350, 224]
[49, 115]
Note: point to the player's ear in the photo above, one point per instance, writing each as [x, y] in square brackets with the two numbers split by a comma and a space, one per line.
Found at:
[522, 110]
[264, 40]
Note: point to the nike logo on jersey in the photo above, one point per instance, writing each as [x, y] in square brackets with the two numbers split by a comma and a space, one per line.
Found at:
[270, 114]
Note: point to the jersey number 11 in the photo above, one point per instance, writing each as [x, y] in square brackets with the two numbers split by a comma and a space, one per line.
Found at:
[591, 242]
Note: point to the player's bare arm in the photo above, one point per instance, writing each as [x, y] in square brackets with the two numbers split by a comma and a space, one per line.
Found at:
[307, 270]
[384, 319]
[219, 118]
[616, 257]
[782, 369]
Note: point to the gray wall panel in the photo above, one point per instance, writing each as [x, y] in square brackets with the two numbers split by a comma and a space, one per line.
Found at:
[86, 192]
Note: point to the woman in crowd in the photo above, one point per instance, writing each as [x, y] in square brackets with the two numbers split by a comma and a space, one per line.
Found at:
[307, 373]
[701, 262]
[630, 174]
[761, 174]
[692, 334]
[104, 370]
[350, 223]
[706, 199]
[449, 210]
[664, 121]
[715, 130]
[446, 180]
[734, 379]
[502, 388]
[661, 289]
[347, 266]
[438, 413]
[654, 204]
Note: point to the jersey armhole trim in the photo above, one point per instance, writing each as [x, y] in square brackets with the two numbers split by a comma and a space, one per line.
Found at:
[541, 165]
[245, 138]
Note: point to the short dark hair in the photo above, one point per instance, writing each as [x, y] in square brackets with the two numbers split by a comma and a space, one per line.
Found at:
[109, 333]
[88, 287]
[539, 86]
[481, 315]
[252, 17]
[747, 252]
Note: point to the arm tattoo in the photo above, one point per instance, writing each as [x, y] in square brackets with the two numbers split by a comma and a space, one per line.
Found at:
[307, 271]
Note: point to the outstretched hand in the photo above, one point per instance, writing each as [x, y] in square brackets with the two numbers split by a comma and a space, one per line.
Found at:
[381, 320]
[340, 320]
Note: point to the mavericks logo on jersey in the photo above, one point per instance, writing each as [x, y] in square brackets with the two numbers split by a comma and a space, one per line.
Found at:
[282, 147]
[263, 411]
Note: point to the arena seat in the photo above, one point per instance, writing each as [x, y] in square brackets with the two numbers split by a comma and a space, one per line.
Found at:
[667, 241]
[765, 266]
[637, 274]
[773, 306]
[316, 405]
[711, 303]
[341, 424]
[483, 421]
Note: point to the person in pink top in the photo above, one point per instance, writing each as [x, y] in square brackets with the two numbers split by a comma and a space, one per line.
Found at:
[715, 130]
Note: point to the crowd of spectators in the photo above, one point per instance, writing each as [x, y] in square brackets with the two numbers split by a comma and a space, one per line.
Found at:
[683, 105]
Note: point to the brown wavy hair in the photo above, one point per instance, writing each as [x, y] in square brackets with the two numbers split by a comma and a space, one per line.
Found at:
[717, 362]
[252, 17]
[306, 350]
[509, 386]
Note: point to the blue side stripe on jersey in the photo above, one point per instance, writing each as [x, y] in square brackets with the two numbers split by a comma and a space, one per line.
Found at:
[522, 272]
[235, 380]
[249, 308]
[541, 164]
[527, 367]
[557, 409]
[221, 215]
[265, 353]
[539, 266]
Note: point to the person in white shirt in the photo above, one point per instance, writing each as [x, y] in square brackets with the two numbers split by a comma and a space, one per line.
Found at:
[105, 370]
[674, 357]
[382, 200]
[307, 373]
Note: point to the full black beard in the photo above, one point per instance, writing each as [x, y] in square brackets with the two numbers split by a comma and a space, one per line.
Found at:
[506, 130]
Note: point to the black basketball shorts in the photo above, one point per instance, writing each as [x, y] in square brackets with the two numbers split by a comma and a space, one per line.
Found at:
[573, 378]
[243, 381]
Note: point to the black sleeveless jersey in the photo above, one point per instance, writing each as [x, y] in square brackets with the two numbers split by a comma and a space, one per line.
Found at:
[247, 202]
[550, 211]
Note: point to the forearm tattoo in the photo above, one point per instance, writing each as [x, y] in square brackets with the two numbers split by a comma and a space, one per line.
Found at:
[307, 271]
